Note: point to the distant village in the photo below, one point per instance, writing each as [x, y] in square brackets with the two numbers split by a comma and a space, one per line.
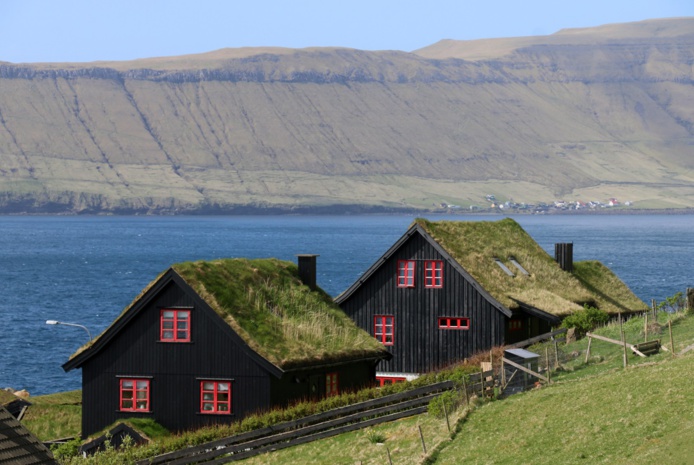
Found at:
[540, 208]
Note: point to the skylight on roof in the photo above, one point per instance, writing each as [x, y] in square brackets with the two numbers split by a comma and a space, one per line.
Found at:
[518, 265]
[503, 267]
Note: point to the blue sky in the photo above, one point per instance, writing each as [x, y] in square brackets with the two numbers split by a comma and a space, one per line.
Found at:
[90, 30]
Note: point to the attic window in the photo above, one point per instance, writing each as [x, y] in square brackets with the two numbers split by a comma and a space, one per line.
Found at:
[518, 265]
[174, 325]
[405, 273]
[433, 273]
[503, 267]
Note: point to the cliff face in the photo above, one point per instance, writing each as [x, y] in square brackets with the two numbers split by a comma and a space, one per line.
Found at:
[578, 115]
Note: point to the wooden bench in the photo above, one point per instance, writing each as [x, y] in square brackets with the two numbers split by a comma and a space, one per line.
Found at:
[644, 349]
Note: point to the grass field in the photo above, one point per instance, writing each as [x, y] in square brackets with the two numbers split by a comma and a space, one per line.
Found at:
[55, 416]
[641, 415]
[400, 440]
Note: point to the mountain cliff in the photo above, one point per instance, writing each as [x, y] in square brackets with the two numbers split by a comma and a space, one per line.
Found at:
[582, 114]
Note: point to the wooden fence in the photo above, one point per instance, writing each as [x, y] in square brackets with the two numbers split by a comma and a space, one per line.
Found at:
[326, 424]
[310, 428]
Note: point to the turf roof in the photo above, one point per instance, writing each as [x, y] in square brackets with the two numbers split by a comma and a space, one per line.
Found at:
[279, 317]
[6, 398]
[475, 245]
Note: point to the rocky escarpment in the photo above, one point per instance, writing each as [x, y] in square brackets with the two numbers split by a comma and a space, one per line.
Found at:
[570, 116]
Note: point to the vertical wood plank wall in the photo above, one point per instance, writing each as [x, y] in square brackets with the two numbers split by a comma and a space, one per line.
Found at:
[174, 368]
[419, 345]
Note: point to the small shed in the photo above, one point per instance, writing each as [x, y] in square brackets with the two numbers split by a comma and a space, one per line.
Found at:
[518, 380]
[115, 437]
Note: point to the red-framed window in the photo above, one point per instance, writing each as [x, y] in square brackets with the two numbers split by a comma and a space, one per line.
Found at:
[386, 380]
[384, 329]
[405, 273]
[332, 386]
[433, 273]
[215, 397]
[515, 325]
[448, 322]
[134, 395]
[174, 325]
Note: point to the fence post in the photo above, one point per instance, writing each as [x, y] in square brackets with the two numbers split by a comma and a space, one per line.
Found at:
[549, 372]
[503, 375]
[624, 343]
[655, 310]
[645, 328]
[445, 412]
[421, 436]
[590, 340]
[672, 343]
[556, 354]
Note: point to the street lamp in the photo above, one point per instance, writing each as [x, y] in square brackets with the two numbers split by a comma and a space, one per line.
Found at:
[54, 322]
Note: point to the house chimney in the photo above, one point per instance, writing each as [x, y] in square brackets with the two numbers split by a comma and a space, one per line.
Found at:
[564, 255]
[307, 269]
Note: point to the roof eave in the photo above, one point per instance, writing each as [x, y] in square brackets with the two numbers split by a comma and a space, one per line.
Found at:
[76, 361]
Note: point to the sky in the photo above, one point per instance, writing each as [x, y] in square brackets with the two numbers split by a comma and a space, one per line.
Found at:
[34, 31]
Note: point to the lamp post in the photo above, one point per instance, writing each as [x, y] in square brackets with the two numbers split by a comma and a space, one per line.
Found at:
[55, 322]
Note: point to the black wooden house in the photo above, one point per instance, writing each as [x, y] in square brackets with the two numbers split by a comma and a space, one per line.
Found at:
[211, 342]
[447, 290]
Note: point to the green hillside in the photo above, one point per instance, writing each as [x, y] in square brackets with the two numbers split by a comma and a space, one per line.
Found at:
[579, 115]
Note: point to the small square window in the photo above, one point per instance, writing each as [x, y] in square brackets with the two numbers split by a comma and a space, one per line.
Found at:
[405, 273]
[447, 322]
[215, 397]
[134, 395]
[174, 325]
[384, 329]
[433, 273]
[515, 324]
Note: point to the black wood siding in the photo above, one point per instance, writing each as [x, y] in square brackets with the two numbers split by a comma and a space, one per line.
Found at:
[298, 385]
[175, 370]
[419, 345]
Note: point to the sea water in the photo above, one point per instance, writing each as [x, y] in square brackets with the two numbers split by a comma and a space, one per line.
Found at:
[85, 270]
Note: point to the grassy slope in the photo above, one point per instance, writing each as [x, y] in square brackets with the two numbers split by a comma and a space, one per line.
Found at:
[55, 416]
[401, 439]
[596, 413]
[641, 415]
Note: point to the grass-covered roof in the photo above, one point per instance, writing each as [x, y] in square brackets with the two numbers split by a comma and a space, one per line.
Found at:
[268, 306]
[476, 245]
[278, 316]
[6, 398]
